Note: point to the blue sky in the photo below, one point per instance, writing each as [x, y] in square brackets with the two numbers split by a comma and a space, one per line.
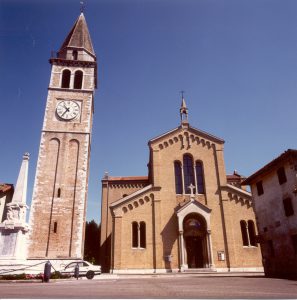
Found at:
[236, 61]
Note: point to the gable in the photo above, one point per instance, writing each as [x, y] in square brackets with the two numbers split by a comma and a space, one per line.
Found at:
[193, 206]
[186, 136]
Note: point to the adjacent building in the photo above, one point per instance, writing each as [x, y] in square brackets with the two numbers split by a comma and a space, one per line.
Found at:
[187, 214]
[274, 190]
[6, 193]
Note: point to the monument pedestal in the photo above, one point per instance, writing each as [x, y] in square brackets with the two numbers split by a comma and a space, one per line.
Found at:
[13, 244]
[13, 231]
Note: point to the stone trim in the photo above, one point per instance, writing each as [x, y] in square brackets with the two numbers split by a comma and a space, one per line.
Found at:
[75, 63]
[239, 269]
[232, 187]
[90, 91]
[70, 132]
[144, 271]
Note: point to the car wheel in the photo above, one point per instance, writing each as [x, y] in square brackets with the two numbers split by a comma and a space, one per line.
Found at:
[90, 274]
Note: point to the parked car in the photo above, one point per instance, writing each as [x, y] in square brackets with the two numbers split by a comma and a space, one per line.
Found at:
[85, 269]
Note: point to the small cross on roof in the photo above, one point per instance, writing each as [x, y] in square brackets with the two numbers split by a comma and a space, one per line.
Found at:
[191, 187]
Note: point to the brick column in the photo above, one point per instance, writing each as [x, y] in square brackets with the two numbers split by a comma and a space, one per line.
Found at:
[117, 242]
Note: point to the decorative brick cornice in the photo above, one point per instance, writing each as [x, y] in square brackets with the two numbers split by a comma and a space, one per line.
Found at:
[133, 201]
[72, 63]
[126, 185]
[238, 195]
[126, 182]
[81, 91]
[189, 131]
[186, 139]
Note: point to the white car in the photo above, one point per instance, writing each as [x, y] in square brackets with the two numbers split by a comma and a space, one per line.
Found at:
[85, 269]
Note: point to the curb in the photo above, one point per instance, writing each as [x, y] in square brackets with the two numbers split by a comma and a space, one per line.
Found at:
[107, 276]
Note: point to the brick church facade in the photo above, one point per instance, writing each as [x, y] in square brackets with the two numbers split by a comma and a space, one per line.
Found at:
[187, 214]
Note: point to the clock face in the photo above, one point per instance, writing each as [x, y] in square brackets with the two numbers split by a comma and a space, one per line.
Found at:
[67, 110]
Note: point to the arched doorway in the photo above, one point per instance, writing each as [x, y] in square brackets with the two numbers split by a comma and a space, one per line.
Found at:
[194, 227]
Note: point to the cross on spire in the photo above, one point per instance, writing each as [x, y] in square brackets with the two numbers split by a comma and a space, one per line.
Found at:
[82, 6]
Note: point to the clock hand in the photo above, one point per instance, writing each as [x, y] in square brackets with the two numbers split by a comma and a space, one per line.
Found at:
[67, 108]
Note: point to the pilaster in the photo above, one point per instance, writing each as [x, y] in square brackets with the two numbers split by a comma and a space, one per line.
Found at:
[117, 242]
[158, 261]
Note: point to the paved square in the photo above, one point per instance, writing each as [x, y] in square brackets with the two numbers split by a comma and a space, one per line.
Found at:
[158, 286]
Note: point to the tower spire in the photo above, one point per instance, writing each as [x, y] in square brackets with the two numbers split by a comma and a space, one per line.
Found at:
[78, 38]
[183, 110]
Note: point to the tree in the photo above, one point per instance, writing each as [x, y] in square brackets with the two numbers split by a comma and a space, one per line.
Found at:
[92, 242]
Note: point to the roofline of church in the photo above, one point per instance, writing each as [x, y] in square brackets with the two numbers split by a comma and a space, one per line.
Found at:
[125, 178]
[129, 197]
[236, 189]
[201, 132]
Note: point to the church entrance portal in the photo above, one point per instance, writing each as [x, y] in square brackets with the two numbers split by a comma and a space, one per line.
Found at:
[194, 252]
[195, 241]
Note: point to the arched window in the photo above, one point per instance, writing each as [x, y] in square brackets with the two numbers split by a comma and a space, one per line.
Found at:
[138, 235]
[142, 232]
[244, 233]
[78, 77]
[252, 233]
[74, 54]
[188, 173]
[134, 234]
[59, 193]
[66, 74]
[200, 177]
[178, 177]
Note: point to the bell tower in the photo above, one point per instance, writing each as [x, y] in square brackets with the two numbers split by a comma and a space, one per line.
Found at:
[58, 209]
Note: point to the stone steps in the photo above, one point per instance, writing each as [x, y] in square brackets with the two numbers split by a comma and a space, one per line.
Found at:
[200, 270]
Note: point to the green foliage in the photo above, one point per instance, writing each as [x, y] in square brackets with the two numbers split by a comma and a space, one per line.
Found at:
[92, 242]
[58, 275]
[23, 276]
[13, 277]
